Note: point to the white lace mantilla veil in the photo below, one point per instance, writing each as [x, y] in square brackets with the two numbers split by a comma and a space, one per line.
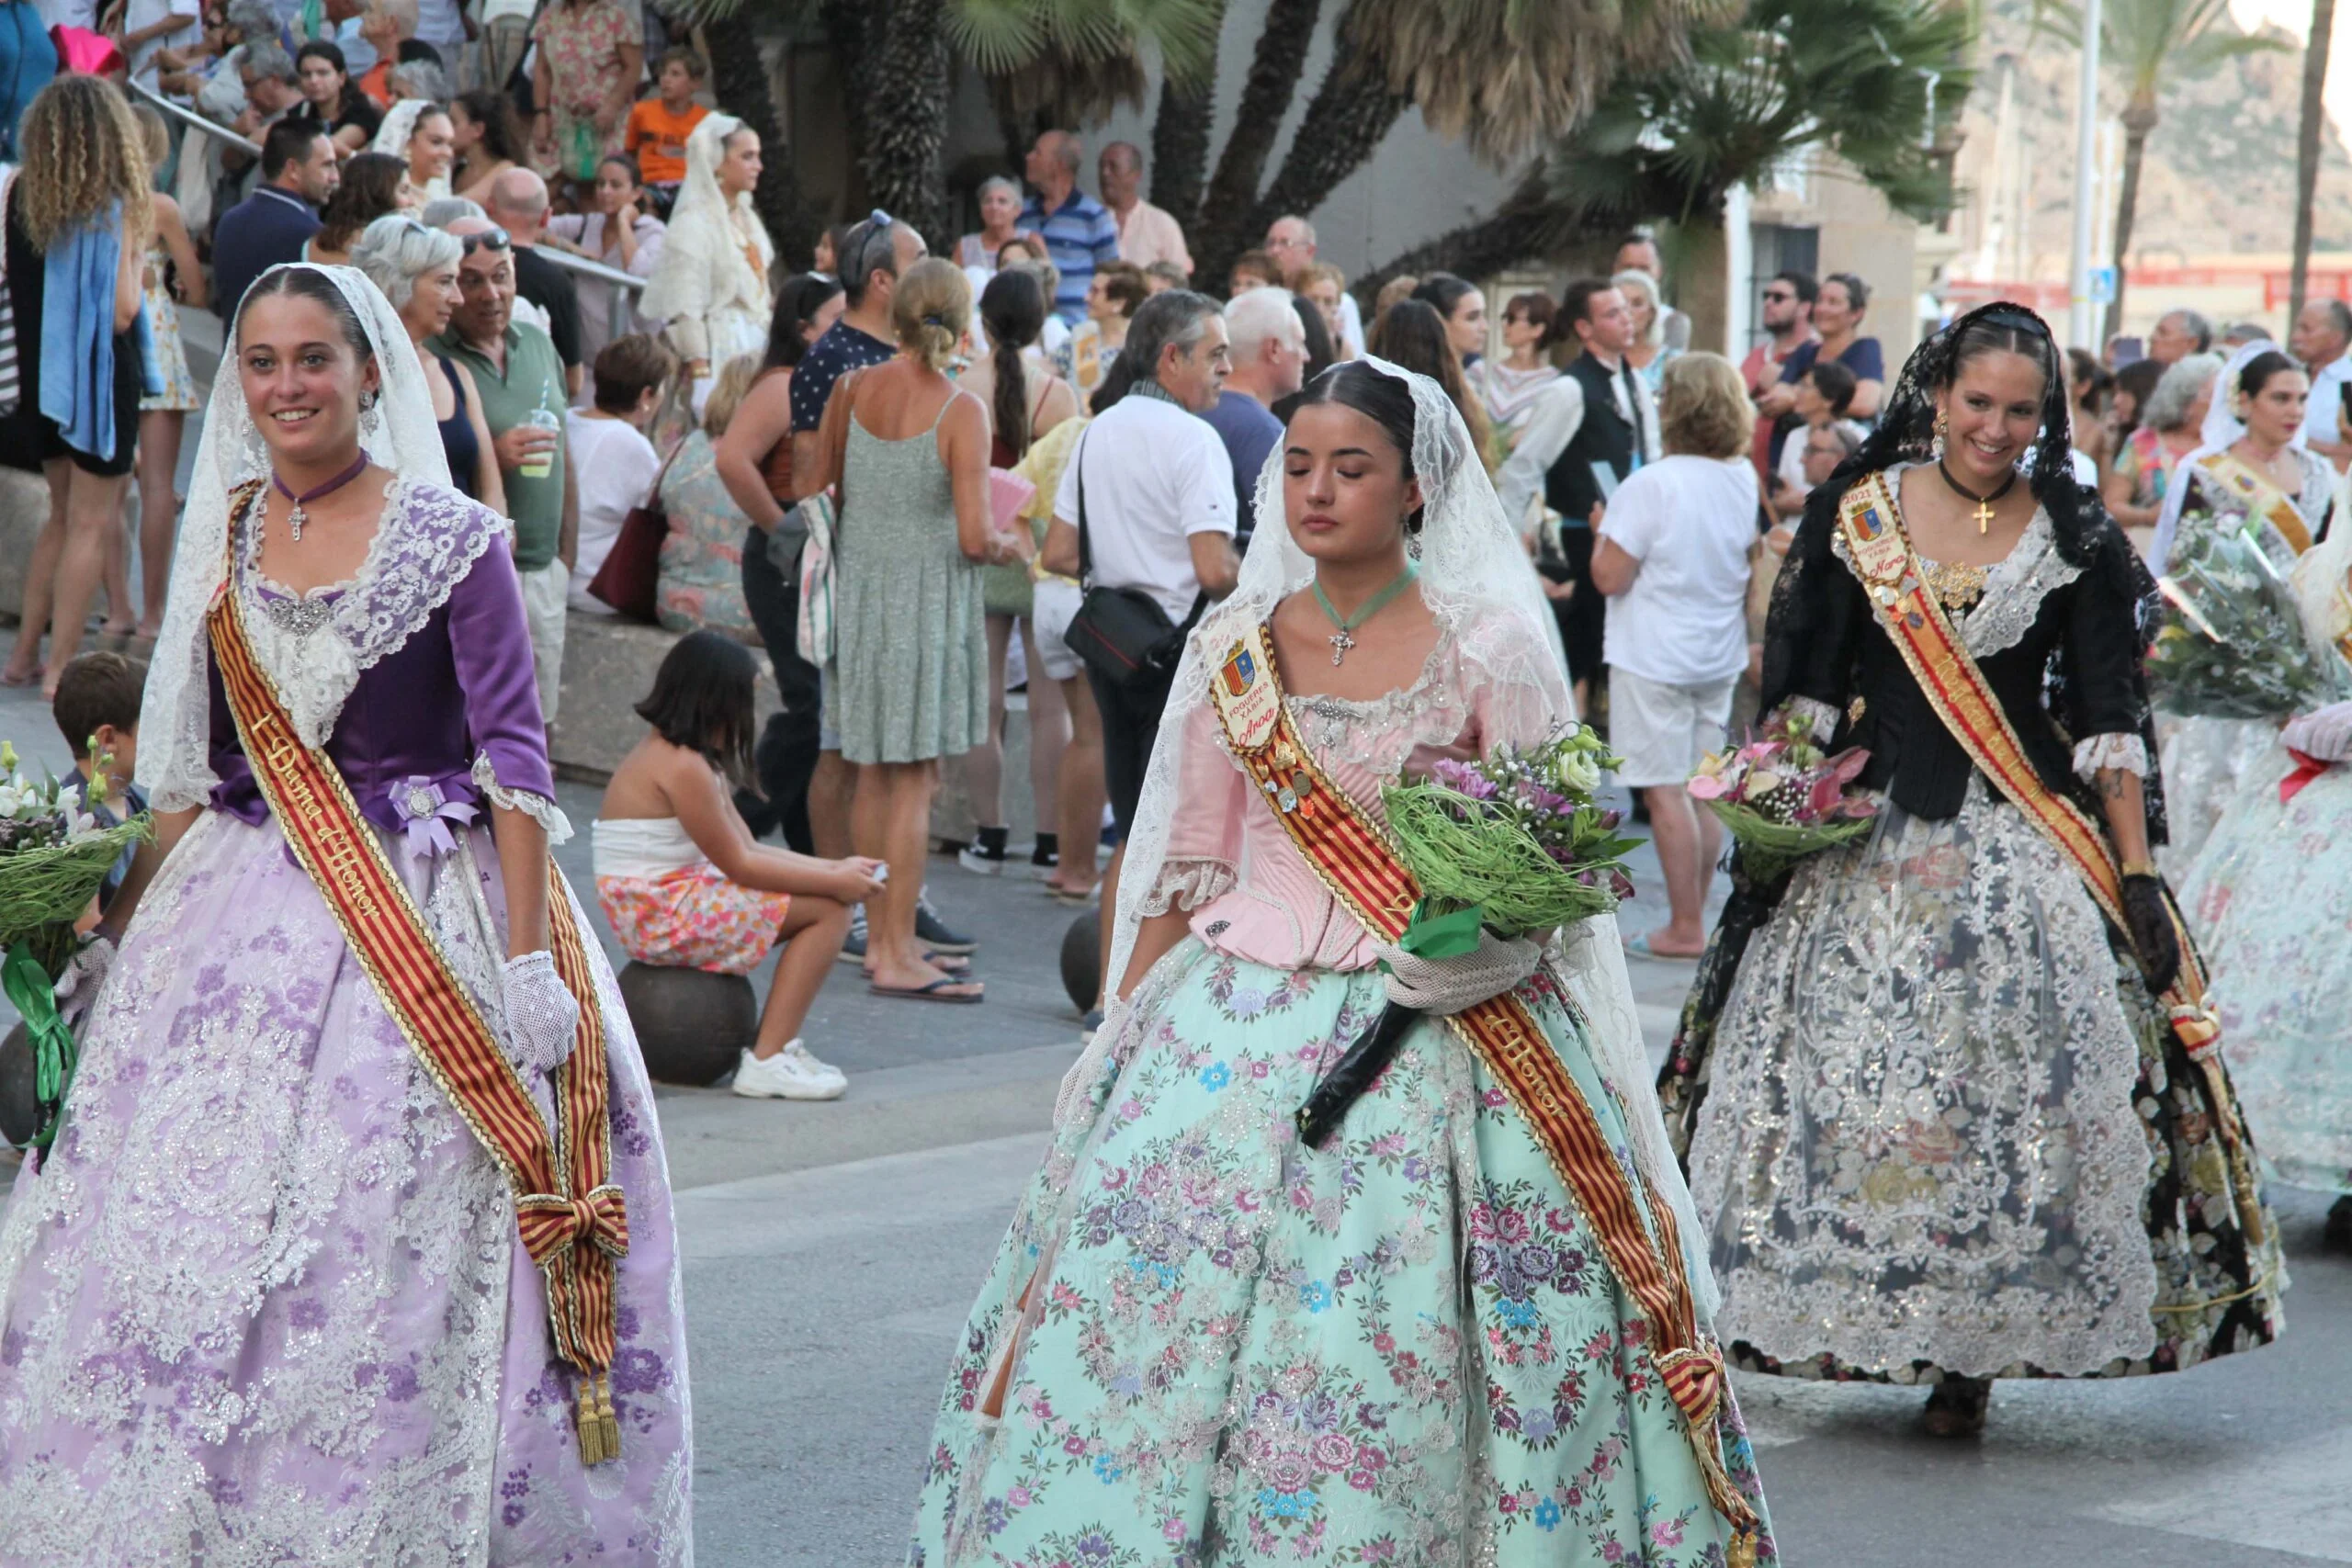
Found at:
[700, 220]
[2221, 430]
[1476, 579]
[400, 435]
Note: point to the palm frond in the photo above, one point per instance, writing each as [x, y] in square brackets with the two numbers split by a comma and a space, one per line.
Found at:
[1508, 74]
[1869, 80]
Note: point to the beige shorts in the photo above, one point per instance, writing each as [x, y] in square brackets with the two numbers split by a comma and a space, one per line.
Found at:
[1662, 730]
[545, 596]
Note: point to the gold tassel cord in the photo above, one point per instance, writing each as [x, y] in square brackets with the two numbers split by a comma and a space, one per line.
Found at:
[599, 1433]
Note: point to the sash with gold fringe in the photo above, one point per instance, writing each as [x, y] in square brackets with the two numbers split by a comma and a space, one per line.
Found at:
[1914, 619]
[1354, 860]
[572, 1219]
[2261, 497]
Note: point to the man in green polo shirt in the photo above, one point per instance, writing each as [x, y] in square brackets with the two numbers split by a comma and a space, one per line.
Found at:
[521, 380]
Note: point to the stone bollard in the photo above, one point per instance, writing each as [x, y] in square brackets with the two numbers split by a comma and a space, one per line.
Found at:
[690, 1024]
[1083, 960]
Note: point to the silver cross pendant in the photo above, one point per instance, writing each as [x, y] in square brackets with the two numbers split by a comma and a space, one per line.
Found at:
[294, 521]
[1341, 643]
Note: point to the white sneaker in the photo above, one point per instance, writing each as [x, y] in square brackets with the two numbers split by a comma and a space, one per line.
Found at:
[791, 1074]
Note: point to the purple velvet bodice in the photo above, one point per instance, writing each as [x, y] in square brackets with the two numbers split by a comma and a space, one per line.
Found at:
[444, 669]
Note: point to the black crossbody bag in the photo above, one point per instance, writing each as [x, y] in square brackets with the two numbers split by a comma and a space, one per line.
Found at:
[1121, 634]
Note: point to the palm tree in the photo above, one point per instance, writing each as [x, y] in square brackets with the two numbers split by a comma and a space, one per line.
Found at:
[1041, 57]
[2151, 42]
[1874, 81]
[2307, 136]
[1508, 74]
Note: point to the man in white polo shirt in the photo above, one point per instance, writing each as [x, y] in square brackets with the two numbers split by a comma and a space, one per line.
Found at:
[2321, 339]
[1157, 491]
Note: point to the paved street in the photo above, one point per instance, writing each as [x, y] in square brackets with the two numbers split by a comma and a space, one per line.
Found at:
[832, 1251]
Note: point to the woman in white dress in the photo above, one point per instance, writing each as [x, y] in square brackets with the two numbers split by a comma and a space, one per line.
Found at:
[709, 291]
[2254, 475]
[2270, 897]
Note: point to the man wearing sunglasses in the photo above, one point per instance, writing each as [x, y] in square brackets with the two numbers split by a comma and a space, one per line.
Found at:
[1787, 320]
[520, 378]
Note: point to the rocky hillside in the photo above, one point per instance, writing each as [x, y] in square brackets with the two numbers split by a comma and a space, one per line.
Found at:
[2220, 174]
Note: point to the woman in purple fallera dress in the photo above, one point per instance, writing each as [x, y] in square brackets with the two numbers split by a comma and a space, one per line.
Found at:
[266, 1299]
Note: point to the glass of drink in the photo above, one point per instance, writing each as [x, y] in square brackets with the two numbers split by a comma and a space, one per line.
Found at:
[538, 465]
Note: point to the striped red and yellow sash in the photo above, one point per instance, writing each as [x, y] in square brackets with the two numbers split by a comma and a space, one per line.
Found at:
[1353, 858]
[571, 1218]
[1914, 619]
[2261, 497]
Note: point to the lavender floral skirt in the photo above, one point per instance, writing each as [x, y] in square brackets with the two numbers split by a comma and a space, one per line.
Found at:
[1404, 1348]
[264, 1303]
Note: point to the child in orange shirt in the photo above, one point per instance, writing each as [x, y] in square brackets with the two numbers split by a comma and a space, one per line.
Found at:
[658, 126]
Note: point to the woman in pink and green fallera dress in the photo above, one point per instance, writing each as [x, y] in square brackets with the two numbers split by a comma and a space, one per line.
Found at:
[266, 1298]
[1203, 1342]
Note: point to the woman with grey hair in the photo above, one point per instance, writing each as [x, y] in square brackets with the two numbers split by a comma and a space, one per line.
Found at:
[999, 200]
[2134, 488]
[417, 269]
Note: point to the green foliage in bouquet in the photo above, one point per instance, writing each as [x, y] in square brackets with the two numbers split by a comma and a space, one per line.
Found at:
[1781, 798]
[53, 858]
[2232, 644]
[1514, 842]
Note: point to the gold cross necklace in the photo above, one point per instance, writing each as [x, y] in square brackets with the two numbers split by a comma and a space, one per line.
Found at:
[1984, 512]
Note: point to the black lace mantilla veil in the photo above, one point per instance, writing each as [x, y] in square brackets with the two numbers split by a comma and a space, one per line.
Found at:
[2086, 537]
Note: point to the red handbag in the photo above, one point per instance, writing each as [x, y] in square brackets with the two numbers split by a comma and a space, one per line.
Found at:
[630, 579]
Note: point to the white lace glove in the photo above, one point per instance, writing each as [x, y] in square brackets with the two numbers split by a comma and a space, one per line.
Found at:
[78, 988]
[1444, 987]
[541, 1014]
[2324, 736]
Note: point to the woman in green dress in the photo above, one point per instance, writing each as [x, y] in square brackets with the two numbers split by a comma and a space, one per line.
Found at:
[1203, 1342]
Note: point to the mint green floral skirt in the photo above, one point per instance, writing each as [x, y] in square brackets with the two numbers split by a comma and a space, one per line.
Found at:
[1405, 1349]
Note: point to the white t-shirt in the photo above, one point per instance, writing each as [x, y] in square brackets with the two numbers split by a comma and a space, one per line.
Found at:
[140, 15]
[616, 467]
[1155, 476]
[2326, 400]
[1689, 522]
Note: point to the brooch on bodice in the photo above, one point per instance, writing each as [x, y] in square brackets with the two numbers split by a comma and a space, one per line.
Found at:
[426, 812]
[299, 616]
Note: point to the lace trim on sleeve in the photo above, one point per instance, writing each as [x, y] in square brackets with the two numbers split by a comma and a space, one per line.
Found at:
[537, 808]
[1819, 718]
[1187, 885]
[2096, 753]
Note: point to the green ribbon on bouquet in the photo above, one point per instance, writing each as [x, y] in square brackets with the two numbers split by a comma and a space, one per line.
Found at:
[29, 988]
[1432, 935]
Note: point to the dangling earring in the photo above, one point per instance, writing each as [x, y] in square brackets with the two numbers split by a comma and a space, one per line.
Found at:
[1936, 447]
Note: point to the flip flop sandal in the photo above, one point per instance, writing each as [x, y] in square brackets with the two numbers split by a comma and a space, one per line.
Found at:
[1639, 947]
[935, 992]
[946, 963]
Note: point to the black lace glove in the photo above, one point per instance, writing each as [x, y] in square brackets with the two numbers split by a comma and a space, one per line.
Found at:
[2151, 931]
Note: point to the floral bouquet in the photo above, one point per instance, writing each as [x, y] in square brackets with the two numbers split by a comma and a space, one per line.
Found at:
[1514, 842]
[2232, 644]
[1781, 798]
[54, 857]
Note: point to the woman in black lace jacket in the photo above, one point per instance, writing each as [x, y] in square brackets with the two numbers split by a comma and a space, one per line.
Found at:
[1936, 1122]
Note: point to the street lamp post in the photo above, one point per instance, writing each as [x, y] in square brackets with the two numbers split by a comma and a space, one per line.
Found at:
[2081, 316]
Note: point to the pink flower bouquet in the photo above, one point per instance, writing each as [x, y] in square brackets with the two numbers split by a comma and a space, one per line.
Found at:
[1781, 798]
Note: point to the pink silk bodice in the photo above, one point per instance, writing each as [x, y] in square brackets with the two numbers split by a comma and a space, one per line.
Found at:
[1251, 893]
